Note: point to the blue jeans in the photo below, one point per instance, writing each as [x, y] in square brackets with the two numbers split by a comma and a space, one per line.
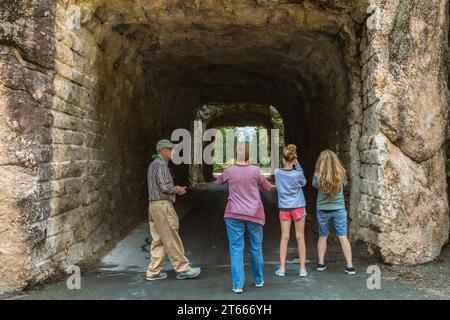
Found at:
[236, 231]
[339, 220]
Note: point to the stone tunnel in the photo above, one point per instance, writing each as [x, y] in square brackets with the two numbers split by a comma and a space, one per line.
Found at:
[88, 87]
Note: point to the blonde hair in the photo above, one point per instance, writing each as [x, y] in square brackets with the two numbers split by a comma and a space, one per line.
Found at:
[331, 173]
[290, 153]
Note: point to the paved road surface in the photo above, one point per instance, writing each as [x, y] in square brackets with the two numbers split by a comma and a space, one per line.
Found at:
[120, 275]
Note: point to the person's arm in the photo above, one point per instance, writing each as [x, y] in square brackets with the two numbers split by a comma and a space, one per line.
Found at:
[165, 180]
[223, 178]
[263, 182]
[302, 179]
[314, 182]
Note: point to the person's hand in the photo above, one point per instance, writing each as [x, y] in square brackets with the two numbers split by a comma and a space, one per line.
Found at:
[180, 190]
[296, 163]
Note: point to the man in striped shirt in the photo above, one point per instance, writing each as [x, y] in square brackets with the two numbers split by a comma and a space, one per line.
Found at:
[163, 218]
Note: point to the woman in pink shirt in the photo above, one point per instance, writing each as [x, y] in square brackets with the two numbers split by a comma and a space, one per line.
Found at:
[244, 216]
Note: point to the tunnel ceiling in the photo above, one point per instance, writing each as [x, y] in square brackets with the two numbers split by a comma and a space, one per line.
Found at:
[285, 53]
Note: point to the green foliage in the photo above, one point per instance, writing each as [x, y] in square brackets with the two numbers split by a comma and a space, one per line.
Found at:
[220, 167]
[278, 124]
[401, 21]
[399, 33]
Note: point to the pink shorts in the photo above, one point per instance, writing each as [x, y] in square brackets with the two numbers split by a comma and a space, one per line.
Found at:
[292, 215]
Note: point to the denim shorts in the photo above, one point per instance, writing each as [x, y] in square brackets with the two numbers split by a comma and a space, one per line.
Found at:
[339, 221]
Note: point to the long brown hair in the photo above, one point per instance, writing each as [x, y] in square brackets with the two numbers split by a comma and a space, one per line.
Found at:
[331, 173]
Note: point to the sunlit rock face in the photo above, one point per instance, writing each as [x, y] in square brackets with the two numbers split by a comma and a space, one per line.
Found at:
[88, 87]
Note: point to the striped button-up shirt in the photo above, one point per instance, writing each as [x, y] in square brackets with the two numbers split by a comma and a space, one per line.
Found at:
[160, 181]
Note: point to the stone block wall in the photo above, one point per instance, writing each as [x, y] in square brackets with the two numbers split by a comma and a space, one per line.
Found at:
[97, 170]
[73, 158]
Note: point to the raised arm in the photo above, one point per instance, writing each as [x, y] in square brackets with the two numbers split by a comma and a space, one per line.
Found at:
[302, 179]
[263, 182]
[223, 178]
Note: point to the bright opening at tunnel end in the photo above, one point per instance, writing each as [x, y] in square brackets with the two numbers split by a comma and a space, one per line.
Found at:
[226, 147]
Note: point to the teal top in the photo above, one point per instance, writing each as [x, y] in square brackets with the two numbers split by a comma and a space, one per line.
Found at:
[325, 202]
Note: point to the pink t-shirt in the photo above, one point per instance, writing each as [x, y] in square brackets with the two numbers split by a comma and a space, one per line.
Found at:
[244, 201]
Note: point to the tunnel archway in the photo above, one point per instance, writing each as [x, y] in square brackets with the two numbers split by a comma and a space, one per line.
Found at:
[130, 75]
[306, 69]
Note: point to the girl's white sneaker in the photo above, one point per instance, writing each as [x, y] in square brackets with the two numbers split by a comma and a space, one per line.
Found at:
[302, 273]
[280, 272]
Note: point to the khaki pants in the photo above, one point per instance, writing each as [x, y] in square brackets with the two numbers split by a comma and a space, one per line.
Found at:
[164, 226]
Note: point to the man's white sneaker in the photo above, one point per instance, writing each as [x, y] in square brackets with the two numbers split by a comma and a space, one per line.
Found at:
[238, 291]
[159, 276]
[192, 273]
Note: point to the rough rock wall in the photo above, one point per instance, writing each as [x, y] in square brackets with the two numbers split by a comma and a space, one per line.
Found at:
[97, 167]
[403, 210]
[26, 85]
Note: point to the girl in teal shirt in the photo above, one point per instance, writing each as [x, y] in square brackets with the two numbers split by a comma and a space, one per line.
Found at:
[330, 179]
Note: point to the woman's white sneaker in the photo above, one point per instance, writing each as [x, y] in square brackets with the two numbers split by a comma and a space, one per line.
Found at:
[350, 270]
[302, 273]
[280, 272]
[321, 267]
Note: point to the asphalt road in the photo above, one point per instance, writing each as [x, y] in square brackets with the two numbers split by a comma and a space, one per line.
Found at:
[120, 275]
